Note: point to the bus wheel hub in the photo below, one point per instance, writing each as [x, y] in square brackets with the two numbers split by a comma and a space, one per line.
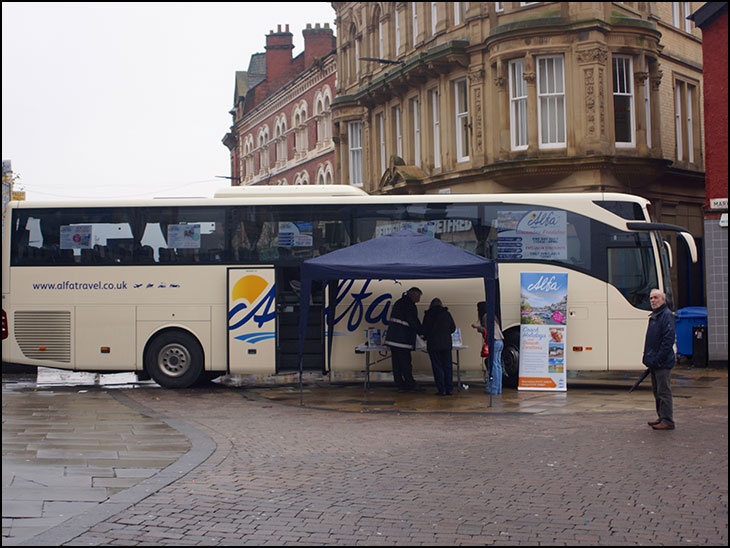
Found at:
[174, 360]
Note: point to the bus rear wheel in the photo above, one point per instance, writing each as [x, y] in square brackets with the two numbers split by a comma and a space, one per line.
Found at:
[174, 359]
[511, 358]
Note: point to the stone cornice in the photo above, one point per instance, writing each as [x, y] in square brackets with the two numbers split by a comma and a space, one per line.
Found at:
[438, 59]
[544, 25]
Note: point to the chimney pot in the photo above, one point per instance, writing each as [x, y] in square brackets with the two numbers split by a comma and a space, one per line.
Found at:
[287, 27]
[278, 28]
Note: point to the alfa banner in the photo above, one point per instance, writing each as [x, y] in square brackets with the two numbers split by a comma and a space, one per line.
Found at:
[543, 331]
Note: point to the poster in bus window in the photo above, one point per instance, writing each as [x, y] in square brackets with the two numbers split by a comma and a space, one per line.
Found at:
[295, 234]
[538, 234]
[183, 236]
[543, 313]
[76, 237]
[429, 228]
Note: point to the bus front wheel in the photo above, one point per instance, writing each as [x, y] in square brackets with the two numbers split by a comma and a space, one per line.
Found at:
[174, 359]
[511, 358]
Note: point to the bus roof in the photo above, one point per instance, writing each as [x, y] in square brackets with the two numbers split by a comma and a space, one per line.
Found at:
[260, 191]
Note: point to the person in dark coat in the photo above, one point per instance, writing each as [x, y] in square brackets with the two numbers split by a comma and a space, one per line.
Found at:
[438, 325]
[403, 327]
[659, 358]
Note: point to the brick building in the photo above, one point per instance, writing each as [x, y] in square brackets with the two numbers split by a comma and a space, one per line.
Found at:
[494, 97]
[281, 132]
[712, 19]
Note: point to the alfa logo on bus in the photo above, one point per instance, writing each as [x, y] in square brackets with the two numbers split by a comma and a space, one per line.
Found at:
[251, 301]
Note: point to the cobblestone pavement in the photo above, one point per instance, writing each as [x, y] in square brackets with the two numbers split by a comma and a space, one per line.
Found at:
[281, 474]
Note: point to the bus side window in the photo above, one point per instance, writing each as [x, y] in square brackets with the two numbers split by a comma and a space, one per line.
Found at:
[631, 273]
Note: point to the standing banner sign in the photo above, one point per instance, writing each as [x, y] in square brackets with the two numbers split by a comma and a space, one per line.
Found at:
[543, 311]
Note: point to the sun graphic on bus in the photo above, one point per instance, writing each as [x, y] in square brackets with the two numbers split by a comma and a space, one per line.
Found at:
[252, 301]
[249, 288]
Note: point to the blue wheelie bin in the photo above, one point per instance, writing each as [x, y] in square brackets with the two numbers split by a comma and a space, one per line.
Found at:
[687, 319]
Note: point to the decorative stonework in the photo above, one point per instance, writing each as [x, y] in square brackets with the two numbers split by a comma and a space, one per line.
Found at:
[641, 77]
[601, 101]
[476, 76]
[590, 88]
[594, 55]
[478, 117]
[500, 82]
[529, 77]
[656, 80]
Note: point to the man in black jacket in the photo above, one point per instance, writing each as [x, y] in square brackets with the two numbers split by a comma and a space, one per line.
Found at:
[438, 325]
[659, 358]
[403, 327]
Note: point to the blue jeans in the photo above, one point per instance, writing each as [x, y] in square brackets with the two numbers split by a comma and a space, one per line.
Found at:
[494, 385]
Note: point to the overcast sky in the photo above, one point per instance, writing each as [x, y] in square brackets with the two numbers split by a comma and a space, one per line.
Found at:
[129, 100]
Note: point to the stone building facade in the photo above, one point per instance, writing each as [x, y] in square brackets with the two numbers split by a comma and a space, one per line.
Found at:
[494, 97]
[282, 123]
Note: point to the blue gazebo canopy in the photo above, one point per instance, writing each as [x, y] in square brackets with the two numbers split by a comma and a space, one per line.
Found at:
[401, 255]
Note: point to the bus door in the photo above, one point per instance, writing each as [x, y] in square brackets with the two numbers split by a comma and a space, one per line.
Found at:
[251, 320]
[288, 284]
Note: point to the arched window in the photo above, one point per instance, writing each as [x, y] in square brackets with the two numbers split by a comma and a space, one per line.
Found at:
[323, 115]
[263, 146]
[301, 178]
[248, 147]
[352, 62]
[300, 130]
[280, 139]
[326, 100]
[319, 116]
[378, 46]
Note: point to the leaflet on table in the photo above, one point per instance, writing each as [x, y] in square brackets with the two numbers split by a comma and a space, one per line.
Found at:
[543, 331]
[536, 234]
[374, 336]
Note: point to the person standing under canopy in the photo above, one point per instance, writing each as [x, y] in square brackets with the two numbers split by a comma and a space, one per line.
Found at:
[403, 327]
[438, 325]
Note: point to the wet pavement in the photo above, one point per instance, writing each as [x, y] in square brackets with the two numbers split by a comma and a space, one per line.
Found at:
[101, 460]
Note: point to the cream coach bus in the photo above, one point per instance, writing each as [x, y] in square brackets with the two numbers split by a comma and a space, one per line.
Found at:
[184, 290]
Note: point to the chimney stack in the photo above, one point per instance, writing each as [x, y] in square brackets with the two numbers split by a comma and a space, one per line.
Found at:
[318, 42]
[279, 48]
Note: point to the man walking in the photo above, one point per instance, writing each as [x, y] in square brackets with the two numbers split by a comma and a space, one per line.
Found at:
[401, 337]
[659, 358]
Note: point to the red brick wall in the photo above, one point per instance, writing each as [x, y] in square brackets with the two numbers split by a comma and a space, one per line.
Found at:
[715, 48]
[288, 110]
